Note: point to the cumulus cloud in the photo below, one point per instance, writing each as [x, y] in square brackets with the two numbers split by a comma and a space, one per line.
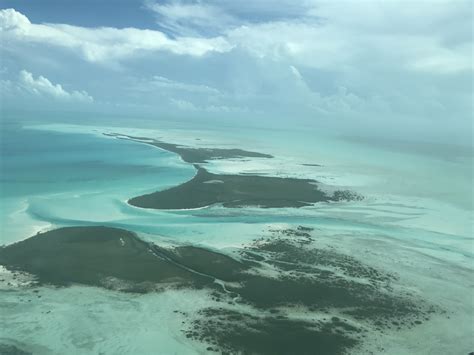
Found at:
[11, 19]
[102, 44]
[322, 38]
[422, 36]
[42, 88]
[334, 47]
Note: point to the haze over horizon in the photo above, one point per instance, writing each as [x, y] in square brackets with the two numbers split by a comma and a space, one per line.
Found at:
[380, 68]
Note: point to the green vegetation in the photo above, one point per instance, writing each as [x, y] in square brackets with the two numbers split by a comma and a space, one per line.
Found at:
[303, 278]
[234, 191]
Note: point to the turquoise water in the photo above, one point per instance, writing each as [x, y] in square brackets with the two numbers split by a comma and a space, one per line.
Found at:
[60, 178]
[52, 178]
[416, 221]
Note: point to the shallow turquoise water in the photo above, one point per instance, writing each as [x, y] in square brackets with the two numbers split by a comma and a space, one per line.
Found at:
[53, 178]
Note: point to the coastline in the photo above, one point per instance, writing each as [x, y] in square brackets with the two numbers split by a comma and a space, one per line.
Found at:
[245, 190]
[384, 231]
[348, 299]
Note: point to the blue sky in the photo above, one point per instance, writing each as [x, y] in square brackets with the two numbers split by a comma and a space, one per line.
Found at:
[398, 66]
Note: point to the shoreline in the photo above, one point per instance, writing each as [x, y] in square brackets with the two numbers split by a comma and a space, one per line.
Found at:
[234, 190]
[390, 246]
[193, 155]
[348, 298]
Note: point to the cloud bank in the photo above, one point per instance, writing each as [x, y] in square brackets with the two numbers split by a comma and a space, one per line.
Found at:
[387, 66]
[102, 44]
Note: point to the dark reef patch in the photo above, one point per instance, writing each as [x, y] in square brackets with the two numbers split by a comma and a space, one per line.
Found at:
[318, 165]
[8, 349]
[232, 332]
[322, 279]
[346, 195]
[316, 281]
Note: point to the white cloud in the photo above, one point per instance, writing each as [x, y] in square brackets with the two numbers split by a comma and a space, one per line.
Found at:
[190, 18]
[162, 83]
[363, 61]
[102, 44]
[316, 33]
[41, 88]
[416, 36]
[333, 46]
[11, 19]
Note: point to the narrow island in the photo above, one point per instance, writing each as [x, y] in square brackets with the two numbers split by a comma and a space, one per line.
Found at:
[231, 191]
[194, 155]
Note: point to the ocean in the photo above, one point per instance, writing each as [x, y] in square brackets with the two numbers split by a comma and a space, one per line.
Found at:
[416, 220]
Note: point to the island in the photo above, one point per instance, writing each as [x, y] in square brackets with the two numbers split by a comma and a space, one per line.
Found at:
[230, 190]
[249, 310]
[206, 189]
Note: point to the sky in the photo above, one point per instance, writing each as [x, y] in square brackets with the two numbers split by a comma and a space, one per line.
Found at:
[383, 67]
